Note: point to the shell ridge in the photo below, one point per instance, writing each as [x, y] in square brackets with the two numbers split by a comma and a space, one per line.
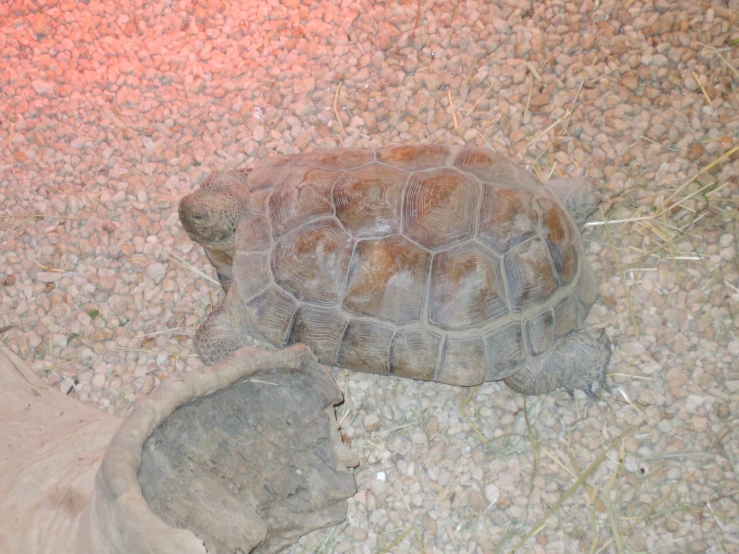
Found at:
[542, 231]
[441, 356]
[504, 278]
[267, 215]
[426, 300]
[332, 196]
[353, 259]
[388, 363]
[289, 328]
[477, 213]
[337, 353]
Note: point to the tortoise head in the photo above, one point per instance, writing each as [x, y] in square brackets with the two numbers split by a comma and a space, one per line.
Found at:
[579, 195]
[210, 214]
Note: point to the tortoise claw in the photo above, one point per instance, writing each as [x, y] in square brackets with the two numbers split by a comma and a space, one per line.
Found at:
[596, 394]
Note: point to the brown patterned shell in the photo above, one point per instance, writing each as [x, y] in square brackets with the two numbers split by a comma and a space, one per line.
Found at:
[431, 262]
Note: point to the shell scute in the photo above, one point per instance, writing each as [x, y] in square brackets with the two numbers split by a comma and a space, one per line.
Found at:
[463, 362]
[540, 332]
[271, 313]
[367, 202]
[507, 218]
[414, 353]
[252, 233]
[530, 276]
[505, 348]
[439, 207]
[312, 262]
[387, 279]
[256, 266]
[320, 329]
[560, 239]
[566, 316]
[365, 344]
[467, 288]
[303, 194]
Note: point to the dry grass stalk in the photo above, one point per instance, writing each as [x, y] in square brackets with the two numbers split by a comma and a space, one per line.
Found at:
[14, 227]
[688, 197]
[40, 216]
[630, 376]
[490, 86]
[670, 249]
[528, 99]
[669, 149]
[419, 536]
[47, 268]
[558, 462]
[599, 77]
[479, 134]
[336, 109]
[537, 170]
[570, 491]
[263, 42]
[609, 502]
[477, 432]
[572, 109]
[666, 244]
[397, 541]
[533, 71]
[326, 541]
[648, 513]
[669, 201]
[411, 424]
[345, 405]
[616, 221]
[473, 65]
[703, 90]
[534, 441]
[59, 364]
[721, 187]
[451, 104]
[155, 333]
[593, 497]
[192, 268]
[627, 294]
[731, 67]
[418, 16]
[545, 131]
[667, 543]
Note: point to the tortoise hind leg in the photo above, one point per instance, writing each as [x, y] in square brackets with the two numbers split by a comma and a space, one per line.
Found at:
[215, 340]
[577, 361]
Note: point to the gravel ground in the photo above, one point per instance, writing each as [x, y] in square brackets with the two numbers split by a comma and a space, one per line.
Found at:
[113, 110]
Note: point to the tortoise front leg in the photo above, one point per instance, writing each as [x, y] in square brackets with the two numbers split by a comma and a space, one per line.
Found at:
[215, 339]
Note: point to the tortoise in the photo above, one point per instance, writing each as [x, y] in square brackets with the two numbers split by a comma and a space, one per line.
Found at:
[431, 262]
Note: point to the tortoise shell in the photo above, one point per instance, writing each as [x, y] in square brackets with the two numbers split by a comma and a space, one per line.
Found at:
[432, 262]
